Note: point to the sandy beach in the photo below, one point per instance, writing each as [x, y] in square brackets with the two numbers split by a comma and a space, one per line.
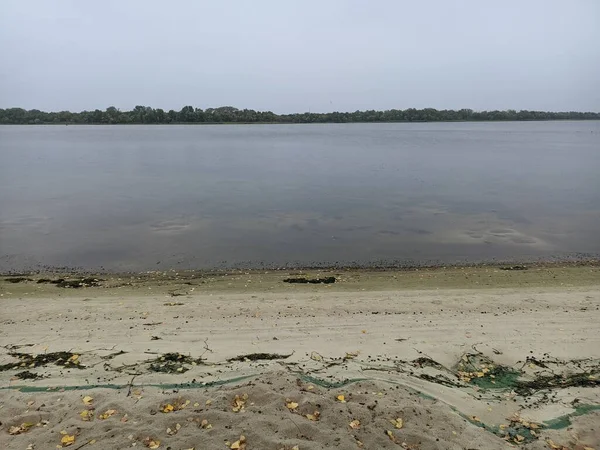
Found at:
[455, 358]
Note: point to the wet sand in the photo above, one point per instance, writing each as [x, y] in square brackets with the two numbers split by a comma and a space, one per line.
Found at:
[467, 357]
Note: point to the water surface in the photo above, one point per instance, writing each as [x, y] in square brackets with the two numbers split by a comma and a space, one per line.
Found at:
[148, 197]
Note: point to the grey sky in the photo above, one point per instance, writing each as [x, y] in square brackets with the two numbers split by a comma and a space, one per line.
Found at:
[292, 56]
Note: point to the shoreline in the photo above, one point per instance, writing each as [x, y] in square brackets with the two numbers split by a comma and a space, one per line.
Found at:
[183, 282]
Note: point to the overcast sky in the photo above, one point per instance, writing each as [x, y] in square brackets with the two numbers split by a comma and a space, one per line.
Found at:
[295, 56]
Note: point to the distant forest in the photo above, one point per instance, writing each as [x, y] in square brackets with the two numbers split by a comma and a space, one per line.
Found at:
[229, 114]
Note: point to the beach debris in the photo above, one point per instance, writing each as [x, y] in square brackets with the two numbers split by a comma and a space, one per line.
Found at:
[27, 375]
[17, 279]
[73, 284]
[174, 304]
[259, 357]
[27, 360]
[173, 363]
[341, 398]
[173, 431]
[20, 429]
[151, 443]
[87, 400]
[239, 402]
[516, 267]
[291, 405]
[30, 447]
[315, 416]
[355, 424]
[304, 280]
[398, 422]
[351, 355]
[240, 444]
[108, 413]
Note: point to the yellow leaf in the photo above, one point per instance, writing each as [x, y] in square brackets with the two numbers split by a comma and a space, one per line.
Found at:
[208, 402]
[314, 416]
[87, 415]
[291, 405]
[355, 424]
[107, 414]
[74, 358]
[168, 408]
[310, 387]
[390, 434]
[398, 423]
[87, 400]
[520, 438]
[341, 398]
[67, 440]
[480, 374]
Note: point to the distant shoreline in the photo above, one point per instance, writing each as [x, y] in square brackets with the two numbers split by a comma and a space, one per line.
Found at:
[296, 123]
[231, 115]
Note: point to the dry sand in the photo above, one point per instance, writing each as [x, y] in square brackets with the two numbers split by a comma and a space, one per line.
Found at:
[390, 342]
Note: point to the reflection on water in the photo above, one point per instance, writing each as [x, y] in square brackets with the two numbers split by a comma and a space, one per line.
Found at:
[134, 197]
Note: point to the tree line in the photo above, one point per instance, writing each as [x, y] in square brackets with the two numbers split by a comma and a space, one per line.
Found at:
[229, 114]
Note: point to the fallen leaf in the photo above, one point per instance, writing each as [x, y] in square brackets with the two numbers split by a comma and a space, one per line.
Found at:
[74, 358]
[204, 424]
[314, 416]
[341, 398]
[107, 414]
[173, 431]
[67, 440]
[167, 408]
[310, 387]
[398, 423]
[292, 406]
[23, 428]
[475, 419]
[30, 447]
[390, 434]
[355, 424]
[208, 402]
[239, 444]
[239, 402]
[87, 415]
[519, 438]
[87, 400]
[151, 443]
[552, 445]
[316, 356]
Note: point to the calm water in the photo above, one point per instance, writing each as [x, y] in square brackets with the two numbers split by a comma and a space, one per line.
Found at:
[148, 197]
